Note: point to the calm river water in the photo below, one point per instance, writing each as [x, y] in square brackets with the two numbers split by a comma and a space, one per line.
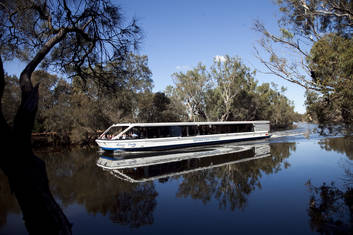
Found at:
[295, 183]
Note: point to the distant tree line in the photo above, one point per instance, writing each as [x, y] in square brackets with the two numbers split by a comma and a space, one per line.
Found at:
[76, 109]
[228, 91]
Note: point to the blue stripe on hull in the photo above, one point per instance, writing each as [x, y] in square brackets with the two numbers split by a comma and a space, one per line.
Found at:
[183, 145]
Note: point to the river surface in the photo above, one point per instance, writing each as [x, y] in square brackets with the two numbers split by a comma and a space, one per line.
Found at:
[295, 183]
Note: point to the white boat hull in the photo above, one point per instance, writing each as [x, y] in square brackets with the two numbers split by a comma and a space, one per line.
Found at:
[177, 142]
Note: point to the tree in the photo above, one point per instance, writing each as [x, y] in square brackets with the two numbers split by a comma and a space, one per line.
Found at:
[274, 106]
[331, 64]
[11, 98]
[156, 107]
[176, 106]
[76, 38]
[228, 91]
[192, 87]
[160, 105]
[231, 77]
[305, 26]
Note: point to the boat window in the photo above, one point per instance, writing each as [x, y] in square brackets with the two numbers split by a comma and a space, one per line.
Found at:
[152, 132]
[177, 131]
[224, 129]
[193, 130]
[134, 133]
[113, 131]
[164, 132]
[184, 131]
[156, 132]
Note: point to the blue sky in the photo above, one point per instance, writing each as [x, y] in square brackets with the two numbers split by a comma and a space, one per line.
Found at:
[181, 33]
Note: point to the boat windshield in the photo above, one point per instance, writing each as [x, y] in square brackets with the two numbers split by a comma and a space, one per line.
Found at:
[113, 132]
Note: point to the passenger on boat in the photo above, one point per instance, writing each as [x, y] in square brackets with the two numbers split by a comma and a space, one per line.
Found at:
[134, 136]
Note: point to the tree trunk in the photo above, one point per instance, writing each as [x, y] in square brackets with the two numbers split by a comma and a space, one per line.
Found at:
[26, 173]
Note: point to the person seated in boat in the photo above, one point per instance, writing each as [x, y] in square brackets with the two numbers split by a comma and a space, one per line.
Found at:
[123, 136]
[109, 137]
[106, 137]
[133, 135]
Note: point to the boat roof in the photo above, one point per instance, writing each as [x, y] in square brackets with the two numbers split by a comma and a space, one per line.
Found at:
[189, 123]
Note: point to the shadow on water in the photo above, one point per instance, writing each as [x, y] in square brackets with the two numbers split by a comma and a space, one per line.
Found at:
[331, 204]
[227, 179]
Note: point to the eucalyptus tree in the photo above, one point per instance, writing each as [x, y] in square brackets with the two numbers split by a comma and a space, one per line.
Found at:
[331, 64]
[72, 37]
[191, 87]
[176, 106]
[118, 94]
[303, 23]
[228, 91]
[11, 98]
[231, 78]
[304, 28]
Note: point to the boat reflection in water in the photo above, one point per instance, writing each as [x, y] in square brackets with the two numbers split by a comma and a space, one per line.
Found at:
[142, 167]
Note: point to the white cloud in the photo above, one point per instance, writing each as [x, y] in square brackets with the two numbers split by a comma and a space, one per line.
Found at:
[182, 67]
[220, 58]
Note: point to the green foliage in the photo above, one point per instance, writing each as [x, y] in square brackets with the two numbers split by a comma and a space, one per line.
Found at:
[319, 32]
[68, 36]
[75, 110]
[317, 16]
[156, 107]
[191, 88]
[331, 64]
[231, 78]
[274, 106]
[228, 91]
[11, 98]
[286, 34]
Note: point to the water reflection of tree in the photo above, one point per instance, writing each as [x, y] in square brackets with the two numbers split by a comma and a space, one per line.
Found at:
[75, 178]
[135, 209]
[8, 203]
[231, 185]
[341, 145]
[331, 209]
[331, 206]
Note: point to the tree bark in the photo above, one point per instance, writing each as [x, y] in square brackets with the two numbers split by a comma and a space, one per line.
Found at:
[27, 173]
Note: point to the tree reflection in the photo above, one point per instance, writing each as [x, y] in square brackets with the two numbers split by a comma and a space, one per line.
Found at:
[231, 185]
[341, 145]
[135, 209]
[331, 209]
[75, 178]
[331, 206]
[8, 203]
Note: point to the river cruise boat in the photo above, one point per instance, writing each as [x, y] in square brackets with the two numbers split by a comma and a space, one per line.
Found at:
[167, 135]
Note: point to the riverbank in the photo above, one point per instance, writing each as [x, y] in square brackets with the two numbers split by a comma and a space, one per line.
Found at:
[55, 140]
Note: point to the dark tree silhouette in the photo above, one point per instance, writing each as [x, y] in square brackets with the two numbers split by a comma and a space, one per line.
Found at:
[73, 37]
